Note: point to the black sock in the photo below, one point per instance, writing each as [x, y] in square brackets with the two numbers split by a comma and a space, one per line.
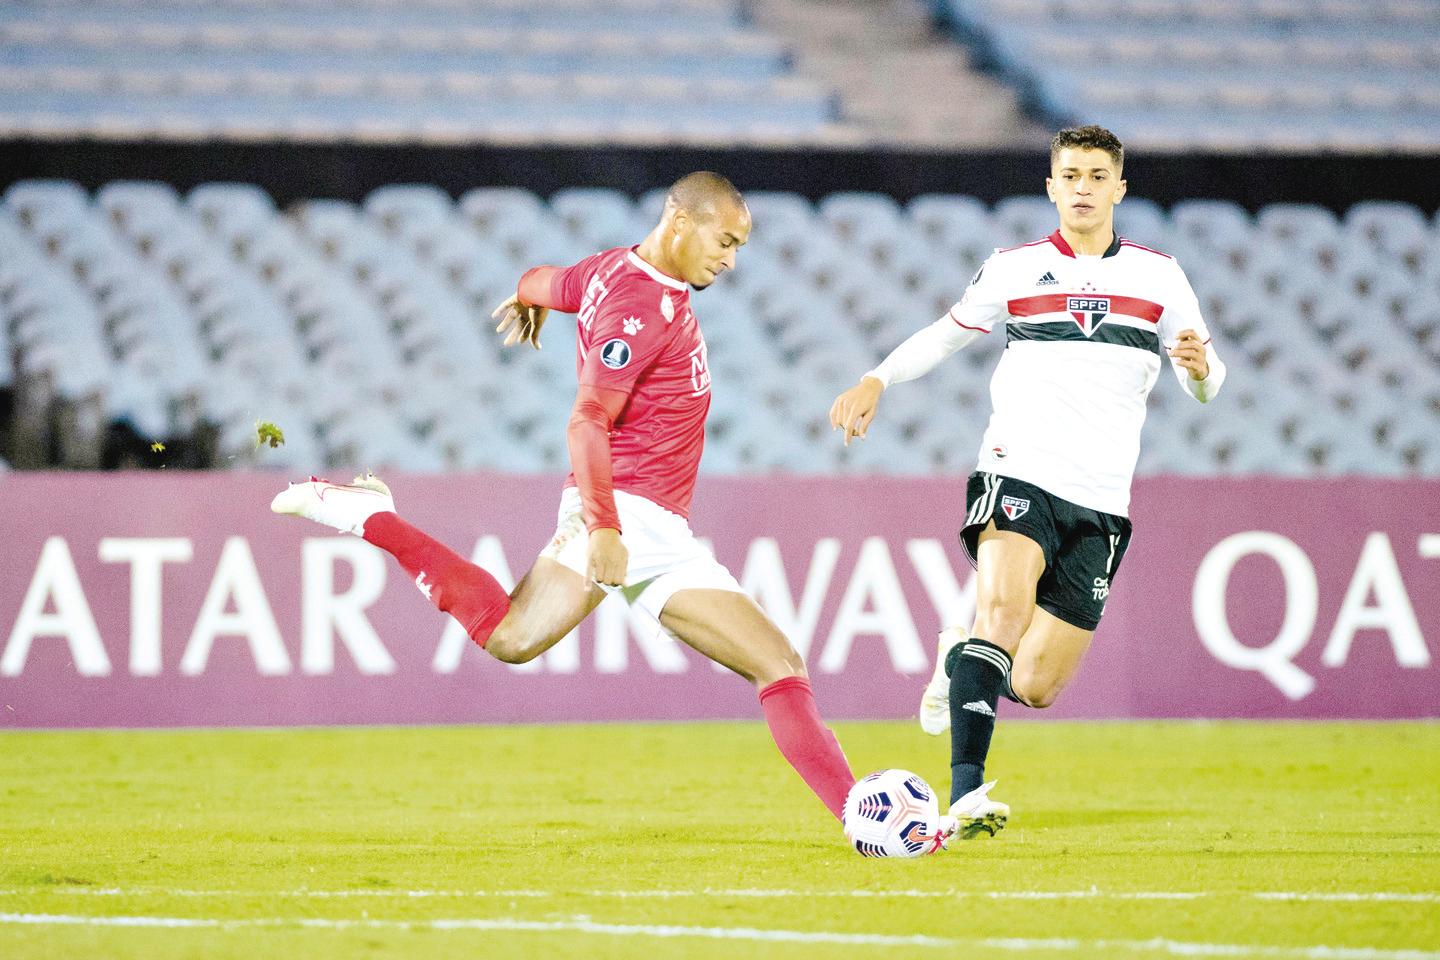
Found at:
[978, 671]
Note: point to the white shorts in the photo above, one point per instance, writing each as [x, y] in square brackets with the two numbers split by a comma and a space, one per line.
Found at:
[665, 557]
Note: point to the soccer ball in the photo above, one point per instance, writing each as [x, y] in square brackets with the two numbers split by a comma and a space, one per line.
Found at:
[892, 813]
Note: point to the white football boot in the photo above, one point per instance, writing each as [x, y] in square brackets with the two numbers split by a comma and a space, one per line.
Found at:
[344, 506]
[975, 813]
[935, 703]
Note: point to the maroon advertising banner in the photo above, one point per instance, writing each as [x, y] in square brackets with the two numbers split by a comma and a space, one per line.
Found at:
[162, 599]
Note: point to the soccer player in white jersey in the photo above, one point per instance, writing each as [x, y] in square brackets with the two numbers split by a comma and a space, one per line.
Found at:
[1087, 317]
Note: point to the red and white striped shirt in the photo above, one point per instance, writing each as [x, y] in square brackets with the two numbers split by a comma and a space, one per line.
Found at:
[1085, 336]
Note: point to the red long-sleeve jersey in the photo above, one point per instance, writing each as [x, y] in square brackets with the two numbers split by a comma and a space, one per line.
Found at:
[637, 336]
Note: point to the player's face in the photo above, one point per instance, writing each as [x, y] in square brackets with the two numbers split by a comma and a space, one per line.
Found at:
[1085, 186]
[707, 245]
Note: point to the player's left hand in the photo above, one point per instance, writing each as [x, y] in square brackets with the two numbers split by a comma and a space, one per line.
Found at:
[1189, 352]
[520, 322]
[853, 410]
[607, 559]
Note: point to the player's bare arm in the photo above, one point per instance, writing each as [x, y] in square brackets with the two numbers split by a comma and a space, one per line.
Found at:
[854, 409]
[540, 290]
[1189, 352]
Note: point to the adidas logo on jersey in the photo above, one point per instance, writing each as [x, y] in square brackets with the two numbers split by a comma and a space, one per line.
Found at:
[1047, 281]
[980, 707]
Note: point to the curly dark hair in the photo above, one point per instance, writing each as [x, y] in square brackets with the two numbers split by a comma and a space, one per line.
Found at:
[1089, 137]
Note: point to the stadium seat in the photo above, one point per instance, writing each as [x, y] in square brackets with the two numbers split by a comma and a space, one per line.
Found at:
[1237, 75]
[1023, 219]
[222, 304]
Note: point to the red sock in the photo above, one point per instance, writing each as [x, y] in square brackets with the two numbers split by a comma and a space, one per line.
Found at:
[452, 583]
[806, 742]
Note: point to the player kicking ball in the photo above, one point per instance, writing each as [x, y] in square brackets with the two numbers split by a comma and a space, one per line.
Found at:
[1088, 316]
[635, 436]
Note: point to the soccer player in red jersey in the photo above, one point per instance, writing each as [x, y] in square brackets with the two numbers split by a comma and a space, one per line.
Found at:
[635, 437]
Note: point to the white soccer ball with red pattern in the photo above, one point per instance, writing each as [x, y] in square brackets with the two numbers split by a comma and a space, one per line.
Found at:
[892, 813]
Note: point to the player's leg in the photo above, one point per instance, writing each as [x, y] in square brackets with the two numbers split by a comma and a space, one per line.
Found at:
[731, 629]
[1009, 564]
[546, 605]
[548, 602]
[994, 504]
[366, 509]
[1048, 658]
[1070, 602]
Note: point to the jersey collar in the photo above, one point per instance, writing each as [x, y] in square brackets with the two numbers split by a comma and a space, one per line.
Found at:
[1064, 247]
[652, 273]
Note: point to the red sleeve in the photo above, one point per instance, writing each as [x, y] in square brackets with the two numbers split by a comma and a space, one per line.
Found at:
[626, 336]
[559, 288]
[588, 436]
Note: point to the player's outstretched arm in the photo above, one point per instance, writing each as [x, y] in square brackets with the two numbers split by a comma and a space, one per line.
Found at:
[540, 290]
[854, 409]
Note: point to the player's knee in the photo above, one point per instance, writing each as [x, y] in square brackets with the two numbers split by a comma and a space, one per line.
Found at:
[1035, 691]
[509, 645]
[1041, 698]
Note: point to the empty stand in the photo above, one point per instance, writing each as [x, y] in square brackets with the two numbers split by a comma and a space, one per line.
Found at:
[1282, 75]
[638, 70]
[365, 332]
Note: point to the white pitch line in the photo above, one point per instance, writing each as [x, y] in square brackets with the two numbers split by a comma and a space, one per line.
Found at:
[1349, 897]
[584, 925]
[744, 893]
[502, 924]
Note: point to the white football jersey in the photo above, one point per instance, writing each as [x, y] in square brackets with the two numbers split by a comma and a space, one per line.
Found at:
[1085, 336]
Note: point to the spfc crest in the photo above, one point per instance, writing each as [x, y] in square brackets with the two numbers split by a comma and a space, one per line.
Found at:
[1015, 507]
[1089, 312]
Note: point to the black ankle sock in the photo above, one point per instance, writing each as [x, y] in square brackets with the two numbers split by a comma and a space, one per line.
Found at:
[977, 675]
[965, 777]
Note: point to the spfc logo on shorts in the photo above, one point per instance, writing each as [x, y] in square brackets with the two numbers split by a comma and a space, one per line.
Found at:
[1089, 312]
[615, 354]
[1015, 507]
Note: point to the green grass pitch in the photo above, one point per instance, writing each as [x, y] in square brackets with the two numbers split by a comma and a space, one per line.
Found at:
[696, 840]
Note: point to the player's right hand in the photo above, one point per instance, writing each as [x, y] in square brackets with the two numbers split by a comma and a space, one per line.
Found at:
[608, 559]
[520, 322]
[853, 410]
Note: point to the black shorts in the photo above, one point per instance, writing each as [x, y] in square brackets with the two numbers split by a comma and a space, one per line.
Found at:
[1083, 547]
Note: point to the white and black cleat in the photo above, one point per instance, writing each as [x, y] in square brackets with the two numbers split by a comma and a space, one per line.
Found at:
[344, 506]
[975, 814]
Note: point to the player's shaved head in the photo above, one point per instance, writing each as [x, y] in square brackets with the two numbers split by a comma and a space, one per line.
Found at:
[704, 223]
[704, 193]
